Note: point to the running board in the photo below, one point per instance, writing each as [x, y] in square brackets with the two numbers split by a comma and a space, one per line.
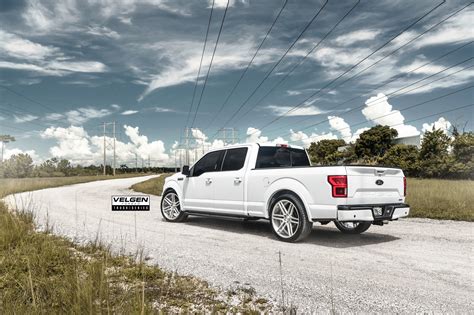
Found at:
[213, 214]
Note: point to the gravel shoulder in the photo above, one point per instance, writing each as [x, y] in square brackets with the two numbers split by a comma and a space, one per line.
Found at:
[410, 265]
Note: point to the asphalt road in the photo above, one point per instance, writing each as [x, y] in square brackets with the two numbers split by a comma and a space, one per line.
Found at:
[411, 265]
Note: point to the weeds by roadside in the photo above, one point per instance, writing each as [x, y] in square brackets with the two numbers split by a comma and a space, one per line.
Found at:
[441, 199]
[47, 274]
[153, 186]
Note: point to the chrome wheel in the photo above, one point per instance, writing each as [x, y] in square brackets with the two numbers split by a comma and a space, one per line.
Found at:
[285, 218]
[170, 206]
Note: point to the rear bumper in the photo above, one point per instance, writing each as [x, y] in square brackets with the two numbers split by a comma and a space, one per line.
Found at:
[372, 212]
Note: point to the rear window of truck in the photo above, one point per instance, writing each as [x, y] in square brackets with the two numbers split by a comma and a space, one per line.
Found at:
[269, 157]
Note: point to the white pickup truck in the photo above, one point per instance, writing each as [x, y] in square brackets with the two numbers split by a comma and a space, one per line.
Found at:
[277, 182]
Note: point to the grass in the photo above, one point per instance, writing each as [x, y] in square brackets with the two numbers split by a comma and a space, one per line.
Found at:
[153, 186]
[42, 273]
[16, 185]
[441, 199]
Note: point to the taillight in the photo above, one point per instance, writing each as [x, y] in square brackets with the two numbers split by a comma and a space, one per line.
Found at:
[339, 185]
[404, 186]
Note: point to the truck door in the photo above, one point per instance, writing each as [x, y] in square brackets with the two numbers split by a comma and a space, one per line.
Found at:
[199, 186]
[229, 185]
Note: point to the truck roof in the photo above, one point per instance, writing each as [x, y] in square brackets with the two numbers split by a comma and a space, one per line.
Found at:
[260, 144]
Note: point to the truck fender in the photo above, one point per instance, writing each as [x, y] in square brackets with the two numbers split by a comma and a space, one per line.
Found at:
[175, 186]
[288, 184]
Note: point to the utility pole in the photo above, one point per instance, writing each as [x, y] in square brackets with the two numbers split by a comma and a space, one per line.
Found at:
[113, 128]
[105, 152]
[136, 162]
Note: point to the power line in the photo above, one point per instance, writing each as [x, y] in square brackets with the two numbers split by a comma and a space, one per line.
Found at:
[210, 64]
[200, 63]
[390, 80]
[248, 65]
[304, 58]
[355, 65]
[277, 63]
[381, 99]
[406, 108]
[32, 100]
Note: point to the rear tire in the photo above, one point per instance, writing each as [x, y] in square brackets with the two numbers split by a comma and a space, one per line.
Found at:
[171, 207]
[288, 219]
[356, 228]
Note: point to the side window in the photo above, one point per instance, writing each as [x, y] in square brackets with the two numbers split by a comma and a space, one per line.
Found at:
[211, 162]
[281, 157]
[299, 158]
[234, 159]
[273, 157]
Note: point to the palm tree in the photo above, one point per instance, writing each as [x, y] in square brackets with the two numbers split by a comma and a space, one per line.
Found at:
[5, 139]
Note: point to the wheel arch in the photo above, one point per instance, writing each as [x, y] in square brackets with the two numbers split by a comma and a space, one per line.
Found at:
[172, 185]
[287, 186]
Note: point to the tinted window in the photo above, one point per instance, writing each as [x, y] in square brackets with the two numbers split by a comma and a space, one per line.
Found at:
[234, 159]
[281, 157]
[299, 158]
[211, 162]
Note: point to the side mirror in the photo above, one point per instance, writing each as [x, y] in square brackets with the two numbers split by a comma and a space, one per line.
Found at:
[185, 170]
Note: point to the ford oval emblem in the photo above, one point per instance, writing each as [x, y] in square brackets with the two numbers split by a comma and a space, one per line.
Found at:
[379, 182]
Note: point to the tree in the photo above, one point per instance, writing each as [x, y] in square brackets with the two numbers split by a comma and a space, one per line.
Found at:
[402, 156]
[5, 139]
[463, 154]
[434, 157]
[64, 166]
[373, 143]
[18, 166]
[325, 152]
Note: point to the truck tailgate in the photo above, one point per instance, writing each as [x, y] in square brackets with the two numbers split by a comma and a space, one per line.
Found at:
[374, 185]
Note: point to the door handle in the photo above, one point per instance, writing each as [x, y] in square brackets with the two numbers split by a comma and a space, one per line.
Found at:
[208, 181]
[237, 180]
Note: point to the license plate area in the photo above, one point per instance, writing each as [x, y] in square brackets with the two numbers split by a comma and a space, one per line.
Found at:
[382, 212]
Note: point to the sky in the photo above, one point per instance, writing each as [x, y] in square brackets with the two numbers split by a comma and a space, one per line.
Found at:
[68, 66]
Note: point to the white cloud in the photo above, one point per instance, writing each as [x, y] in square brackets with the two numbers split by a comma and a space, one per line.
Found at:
[125, 20]
[308, 139]
[254, 135]
[30, 67]
[300, 111]
[15, 151]
[339, 124]
[379, 111]
[129, 112]
[17, 47]
[454, 30]
[83, 114]
[102, 31]
[164, 110]
[115, 106]
[75, 144]
[441, 124]
[144, 148]
[45, 17]
[25, 118]
[356, 36]
[78, 66]
[183, 58]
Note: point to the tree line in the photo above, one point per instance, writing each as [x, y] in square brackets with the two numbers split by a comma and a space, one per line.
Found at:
[439, 156]
[21, 166]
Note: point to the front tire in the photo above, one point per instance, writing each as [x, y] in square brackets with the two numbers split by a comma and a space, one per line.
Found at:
[352, 227]
[289, 219]
[171, 207]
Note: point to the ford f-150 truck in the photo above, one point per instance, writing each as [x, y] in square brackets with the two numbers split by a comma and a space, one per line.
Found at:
[278, 183]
